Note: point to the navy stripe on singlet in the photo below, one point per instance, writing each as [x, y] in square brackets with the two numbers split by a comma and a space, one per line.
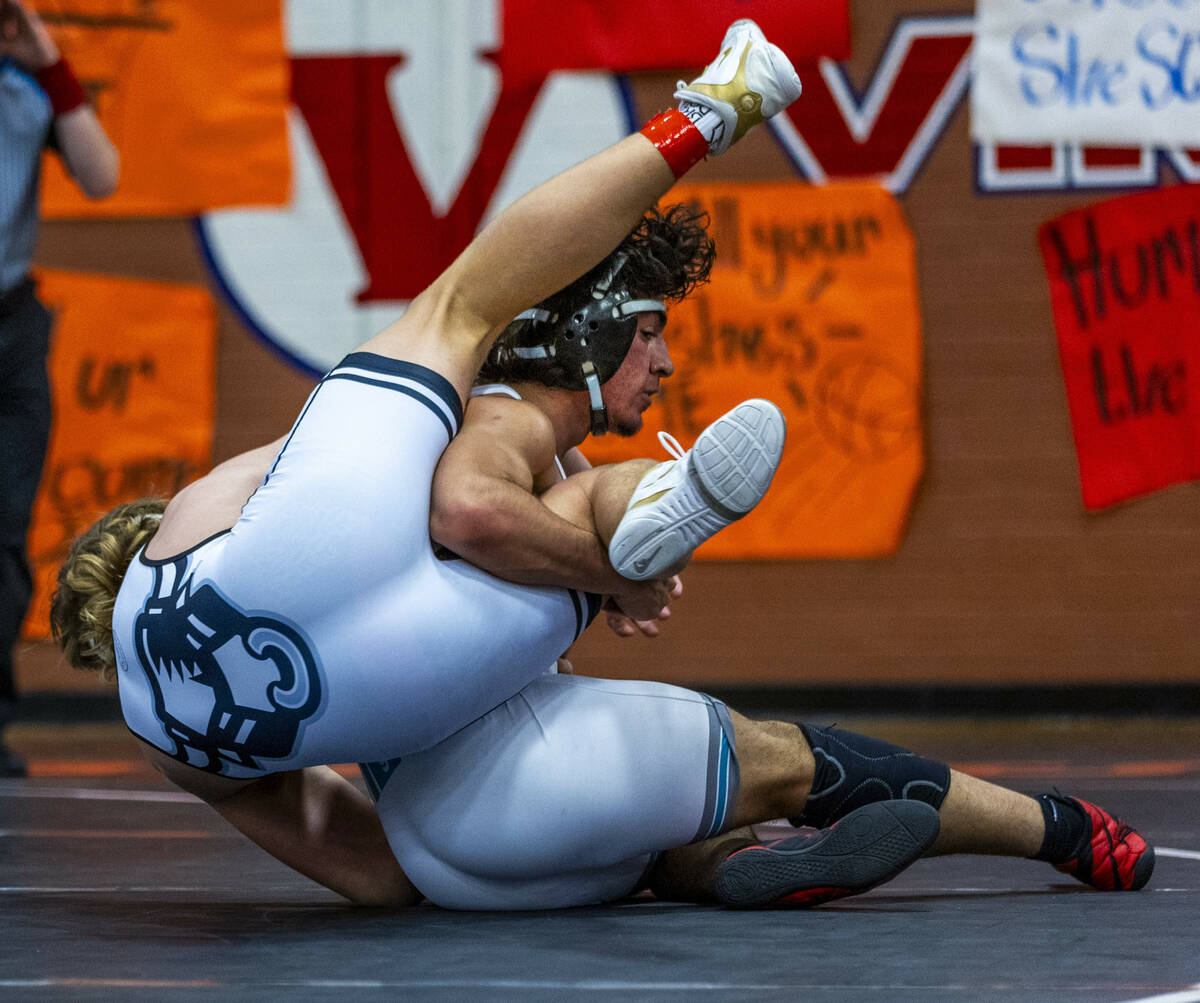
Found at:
[376, 775]
[434, 381]
[153, 562]
[724, 775]
[399, 388]
[594, 602]
[587, 605]
[579, 624]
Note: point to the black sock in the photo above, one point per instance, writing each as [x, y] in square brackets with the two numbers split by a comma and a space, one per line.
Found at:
[1066, 828]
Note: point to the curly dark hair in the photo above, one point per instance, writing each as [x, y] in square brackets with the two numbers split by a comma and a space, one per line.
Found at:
[669, 254]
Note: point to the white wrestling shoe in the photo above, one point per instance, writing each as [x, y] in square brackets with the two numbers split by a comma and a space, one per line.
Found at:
[750, 81]
[680, 503]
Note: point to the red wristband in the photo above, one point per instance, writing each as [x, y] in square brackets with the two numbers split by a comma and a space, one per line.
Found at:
[61, 87]
[681, 144]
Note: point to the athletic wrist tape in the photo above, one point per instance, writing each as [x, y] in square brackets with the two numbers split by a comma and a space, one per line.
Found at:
[681, 144]
[61, 87]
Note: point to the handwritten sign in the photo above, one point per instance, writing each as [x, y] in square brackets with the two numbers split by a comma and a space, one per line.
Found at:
[1125, 287]
[813, 305]
[132, 371]
[193, 95]
[1107, 72]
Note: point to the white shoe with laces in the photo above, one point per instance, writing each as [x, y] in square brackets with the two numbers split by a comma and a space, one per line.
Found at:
[680, 503]
[750, 81]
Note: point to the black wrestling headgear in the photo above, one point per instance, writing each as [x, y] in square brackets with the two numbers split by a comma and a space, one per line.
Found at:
[590, 344]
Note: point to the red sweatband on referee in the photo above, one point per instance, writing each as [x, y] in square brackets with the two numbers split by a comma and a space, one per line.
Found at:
[681, 144]
[61, 87]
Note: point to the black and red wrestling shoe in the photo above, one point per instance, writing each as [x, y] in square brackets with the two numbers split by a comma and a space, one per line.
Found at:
[1111, 855]
[869, 846]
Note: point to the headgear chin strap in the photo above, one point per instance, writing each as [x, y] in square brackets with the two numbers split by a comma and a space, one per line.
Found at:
[592, 342]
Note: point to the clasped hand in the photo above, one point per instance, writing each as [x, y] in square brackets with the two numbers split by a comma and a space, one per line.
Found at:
[642, 606]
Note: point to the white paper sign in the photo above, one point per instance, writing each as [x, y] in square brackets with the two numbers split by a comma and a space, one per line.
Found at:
[1104, 72]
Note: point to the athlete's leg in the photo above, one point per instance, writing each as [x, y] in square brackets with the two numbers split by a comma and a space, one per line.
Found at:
[562, 795]
[556, 232]
[539, 244]
[777, 775]
[776, 772]
[982, 817]
[651, 516]
[595, 499]
[780, 768]
[1075, 836]
[977, 816]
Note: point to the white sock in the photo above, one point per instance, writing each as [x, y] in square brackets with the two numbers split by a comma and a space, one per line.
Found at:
[710, 124]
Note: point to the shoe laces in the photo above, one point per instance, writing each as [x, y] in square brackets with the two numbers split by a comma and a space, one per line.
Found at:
[671, 445]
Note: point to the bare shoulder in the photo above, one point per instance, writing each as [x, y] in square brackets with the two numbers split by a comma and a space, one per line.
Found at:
[498, 431]
[508, 416]
[211, 504]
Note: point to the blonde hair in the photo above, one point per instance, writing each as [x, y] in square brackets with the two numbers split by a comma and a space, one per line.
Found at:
[81, 610]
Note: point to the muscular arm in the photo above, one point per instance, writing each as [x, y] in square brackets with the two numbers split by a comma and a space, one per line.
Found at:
[575, 462]
[486, 510]
[318, 823]
[313, 820]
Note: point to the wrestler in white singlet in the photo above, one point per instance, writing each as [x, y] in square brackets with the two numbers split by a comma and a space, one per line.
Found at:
[322, 628]
[562, 796]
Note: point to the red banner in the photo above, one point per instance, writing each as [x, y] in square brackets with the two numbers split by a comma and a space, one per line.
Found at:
[630, 36]
[1125, 287]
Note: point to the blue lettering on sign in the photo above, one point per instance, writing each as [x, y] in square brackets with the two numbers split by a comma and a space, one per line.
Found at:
[1174, 63]
[1056, 71]
[1067, 78]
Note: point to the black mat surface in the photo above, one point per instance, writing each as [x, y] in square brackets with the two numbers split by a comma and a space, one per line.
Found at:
[114, 887]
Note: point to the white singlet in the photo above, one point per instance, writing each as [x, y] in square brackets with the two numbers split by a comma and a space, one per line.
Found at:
[322, 628]
[562, 796]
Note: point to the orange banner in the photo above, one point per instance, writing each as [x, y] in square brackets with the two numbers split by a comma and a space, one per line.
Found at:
[194, 95]
[813, 304]
[132, 368]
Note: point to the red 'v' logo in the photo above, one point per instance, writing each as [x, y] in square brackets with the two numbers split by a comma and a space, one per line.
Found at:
[887, 132]
[404, 245]
[351, 250]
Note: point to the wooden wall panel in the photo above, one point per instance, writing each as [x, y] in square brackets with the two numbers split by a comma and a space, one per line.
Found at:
[1002, 577]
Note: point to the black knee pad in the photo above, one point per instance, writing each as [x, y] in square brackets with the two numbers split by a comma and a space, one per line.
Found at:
[854, 770]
